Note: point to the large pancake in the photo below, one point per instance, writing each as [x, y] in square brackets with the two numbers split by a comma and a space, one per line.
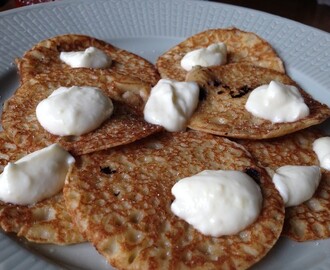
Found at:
[44, 222]
[241, 47]
[44, 58]
[125, 125]
[224, 92]
[121, 200]
[310, 220]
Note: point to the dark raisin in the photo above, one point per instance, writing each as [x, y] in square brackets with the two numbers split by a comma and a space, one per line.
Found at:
[214, 83]
[116, 193]
[202, 94]
[107, 170]
[254, 174]
[240, 92]
[246, 88]
[217, 83]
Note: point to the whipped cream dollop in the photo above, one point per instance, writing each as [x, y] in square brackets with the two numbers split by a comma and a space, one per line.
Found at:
[36, 176]
[277, 102]
[90, 58]
[214, 54]
[171, 104]
[217, 202]
[74, 111]
[297, 184]
[321, 147]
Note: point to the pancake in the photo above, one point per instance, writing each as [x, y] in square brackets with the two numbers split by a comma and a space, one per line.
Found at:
[310, 220]
[124, 126]
[120, 199]
[224, 91]
[241, 47]
[44, 58]
[44, 222]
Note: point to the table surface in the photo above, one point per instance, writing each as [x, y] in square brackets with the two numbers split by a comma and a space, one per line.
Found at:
[308, 12]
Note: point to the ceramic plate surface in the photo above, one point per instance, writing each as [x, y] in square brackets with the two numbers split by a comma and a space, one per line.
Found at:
[149, 28]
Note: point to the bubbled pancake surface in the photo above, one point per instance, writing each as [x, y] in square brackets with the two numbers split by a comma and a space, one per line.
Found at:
[44, 57]
[241, 47]
[129, 95]
[224, 91]
[121, 200]
[310, 220]
[44, 222]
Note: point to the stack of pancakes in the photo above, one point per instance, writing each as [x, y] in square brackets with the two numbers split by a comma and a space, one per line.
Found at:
[118, 195]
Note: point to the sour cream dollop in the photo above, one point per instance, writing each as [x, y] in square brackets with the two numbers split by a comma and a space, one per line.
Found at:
[74, 111]
[36, 176]
[217, 202]
[171, 104]
[90, 58]
[321, 147]
[297, 184]
[277, 102]
[214, 54]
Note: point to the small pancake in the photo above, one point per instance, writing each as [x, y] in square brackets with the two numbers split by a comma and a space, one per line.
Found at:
[44, 57]
[224, 91]
[44, 222]
[129, 95]
[121, 200]
[241, 47]
[310, 220]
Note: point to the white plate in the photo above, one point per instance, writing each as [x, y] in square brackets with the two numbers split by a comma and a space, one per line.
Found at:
[148, 28]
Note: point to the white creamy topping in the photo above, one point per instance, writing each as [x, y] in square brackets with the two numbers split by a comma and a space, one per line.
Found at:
[171, 104]
[277, 102]
[74, 111]
[297, 184]
[90, 58]
[217, 202]
[36, 176]
[215, 54]
[321, 147]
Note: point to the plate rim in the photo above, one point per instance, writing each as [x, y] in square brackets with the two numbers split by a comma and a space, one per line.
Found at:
[36, 262]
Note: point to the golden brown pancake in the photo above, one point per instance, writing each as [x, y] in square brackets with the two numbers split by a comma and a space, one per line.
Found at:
[310, 220]
[241, 47]
[124, 126]
[44, 57]
[44, 222]
[120, 199]
[224, 91]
